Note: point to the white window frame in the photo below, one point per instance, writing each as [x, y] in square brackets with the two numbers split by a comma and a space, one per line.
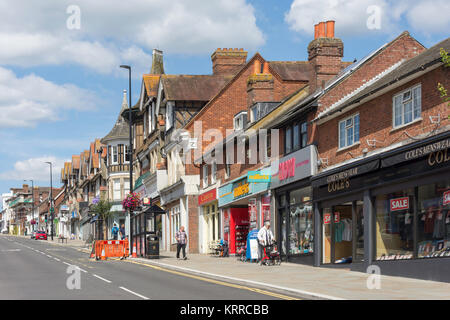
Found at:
[404, 102]
[126, 152]
[346, 127]
[175, 222]
[126, 189]
[205, 175]
[213, 172]
[116, 188]
[115, 154]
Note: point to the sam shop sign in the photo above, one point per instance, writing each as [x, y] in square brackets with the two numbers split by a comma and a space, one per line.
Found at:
[399, 204]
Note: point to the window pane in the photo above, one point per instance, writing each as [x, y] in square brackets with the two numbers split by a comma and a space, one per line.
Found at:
[350, 136]
[394, 227]
[417, 103]
[296, 137]
[342, 134]
[408, 112]
[397, 111]
[356, 128]
[288, 139]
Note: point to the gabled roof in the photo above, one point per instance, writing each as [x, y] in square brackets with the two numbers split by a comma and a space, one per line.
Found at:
[398, 72]
[291, 70]
[75, 162]
[151, 82]
[192, 87]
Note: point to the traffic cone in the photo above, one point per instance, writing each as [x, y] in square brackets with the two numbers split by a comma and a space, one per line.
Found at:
[134, 255]
[103, 257]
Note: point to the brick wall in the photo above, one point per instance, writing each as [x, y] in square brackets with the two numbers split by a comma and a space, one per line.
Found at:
[192, 208]
[376, 120]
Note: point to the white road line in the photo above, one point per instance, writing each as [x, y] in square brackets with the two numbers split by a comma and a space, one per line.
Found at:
[67, 263]
[56, 259]
[101, 278]
[49, 256]
[136, 294]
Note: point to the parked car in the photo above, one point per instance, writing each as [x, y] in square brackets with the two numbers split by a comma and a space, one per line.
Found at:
[40, 235]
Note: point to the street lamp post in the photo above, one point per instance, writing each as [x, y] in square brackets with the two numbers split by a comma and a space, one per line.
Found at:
[51, 199]
[32, 205]
[130, 150]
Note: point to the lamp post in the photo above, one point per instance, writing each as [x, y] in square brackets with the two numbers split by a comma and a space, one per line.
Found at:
[130, 149]
[32, 205]
[51, 198]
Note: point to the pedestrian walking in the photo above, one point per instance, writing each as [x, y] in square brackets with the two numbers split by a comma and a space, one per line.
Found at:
[181, 238]
[122, 232]
[265, 238]
[115, 231]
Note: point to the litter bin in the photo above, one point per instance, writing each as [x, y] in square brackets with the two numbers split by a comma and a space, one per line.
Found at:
[152, 247]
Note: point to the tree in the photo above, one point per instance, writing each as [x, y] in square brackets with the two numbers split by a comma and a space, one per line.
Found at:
[442, 90]
[103, 209]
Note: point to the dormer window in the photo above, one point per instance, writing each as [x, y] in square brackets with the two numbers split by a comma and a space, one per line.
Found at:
[240, 120]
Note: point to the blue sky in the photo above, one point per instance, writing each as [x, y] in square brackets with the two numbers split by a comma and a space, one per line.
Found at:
[61, 86]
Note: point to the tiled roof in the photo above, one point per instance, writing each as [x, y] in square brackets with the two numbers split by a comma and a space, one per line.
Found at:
[75, 162]
[151, 82]
[192, 87]
[291, 70]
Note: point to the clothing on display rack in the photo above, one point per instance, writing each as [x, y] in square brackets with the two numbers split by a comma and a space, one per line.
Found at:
[343, 230]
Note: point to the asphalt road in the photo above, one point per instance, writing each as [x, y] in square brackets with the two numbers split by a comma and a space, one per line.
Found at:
[36, 269]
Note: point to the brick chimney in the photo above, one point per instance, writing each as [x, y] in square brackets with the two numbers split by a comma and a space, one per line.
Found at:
[260, 84]
[157, 62]
[325, 54]
[228, 61]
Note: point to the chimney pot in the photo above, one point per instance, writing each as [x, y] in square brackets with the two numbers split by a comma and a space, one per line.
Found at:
[316, 31]
[321, 30]
[330, 29]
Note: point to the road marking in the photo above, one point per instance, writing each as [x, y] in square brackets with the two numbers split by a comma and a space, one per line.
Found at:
[276, 295]
[10, 250]
[136, 294]
[49, 256]
[101, 278]
[56, 259]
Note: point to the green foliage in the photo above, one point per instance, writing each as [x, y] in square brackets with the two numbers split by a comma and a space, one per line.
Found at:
[102, 209]
[445, 57]
[443, 92]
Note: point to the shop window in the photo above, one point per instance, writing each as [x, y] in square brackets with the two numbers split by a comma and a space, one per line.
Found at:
[349, 131]
[394, 225]
[434, 220]
[407, 106]
[301, 222]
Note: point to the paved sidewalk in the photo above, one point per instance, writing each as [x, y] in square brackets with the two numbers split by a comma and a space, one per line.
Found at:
[307, 281]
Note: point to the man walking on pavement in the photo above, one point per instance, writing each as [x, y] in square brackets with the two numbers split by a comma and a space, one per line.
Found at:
[122, 232]
[181, 238]
[265, 238]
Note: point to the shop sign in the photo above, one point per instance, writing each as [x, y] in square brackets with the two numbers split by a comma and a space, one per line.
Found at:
[64, 208]
[326, 218]
[241, 189]
[446, 199]
[207, 197]
[399, 204]
[337, 217]
[436, 152]
[296, 166]
[257, 176]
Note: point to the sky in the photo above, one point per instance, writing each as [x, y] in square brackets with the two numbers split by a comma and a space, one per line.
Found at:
[60, 82]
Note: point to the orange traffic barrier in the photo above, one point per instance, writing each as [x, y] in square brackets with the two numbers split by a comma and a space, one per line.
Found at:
[103, 249]
[92, 251]
[134, 255]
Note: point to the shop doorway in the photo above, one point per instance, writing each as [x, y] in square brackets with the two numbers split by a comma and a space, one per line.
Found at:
[343, 233]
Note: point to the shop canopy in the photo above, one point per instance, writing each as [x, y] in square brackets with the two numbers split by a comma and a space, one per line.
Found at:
[154, 209]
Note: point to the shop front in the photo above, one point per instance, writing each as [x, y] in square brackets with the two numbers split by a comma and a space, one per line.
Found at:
[209, 219]
[293, 197]
[391, 210]
[245, 205]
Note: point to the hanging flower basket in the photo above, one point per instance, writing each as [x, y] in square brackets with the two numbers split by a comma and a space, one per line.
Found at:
[132, 201]
[33, 221]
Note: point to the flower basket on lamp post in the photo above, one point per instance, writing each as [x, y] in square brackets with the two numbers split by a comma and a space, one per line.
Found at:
[131, 202]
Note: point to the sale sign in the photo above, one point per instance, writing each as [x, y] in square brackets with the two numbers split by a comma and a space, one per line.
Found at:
[446, 197]
[326, 218]
[337, 217]
[399, 204]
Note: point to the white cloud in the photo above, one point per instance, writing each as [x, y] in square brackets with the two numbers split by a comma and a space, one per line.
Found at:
[110, 32]
[36, 169]
[31, 99]
[351, 16]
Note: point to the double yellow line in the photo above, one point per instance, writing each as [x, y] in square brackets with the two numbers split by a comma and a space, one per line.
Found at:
[260, 291]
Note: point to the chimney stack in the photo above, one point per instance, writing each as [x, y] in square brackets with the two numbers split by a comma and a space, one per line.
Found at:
[325, 54]
[228, 61]
[157, 62]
